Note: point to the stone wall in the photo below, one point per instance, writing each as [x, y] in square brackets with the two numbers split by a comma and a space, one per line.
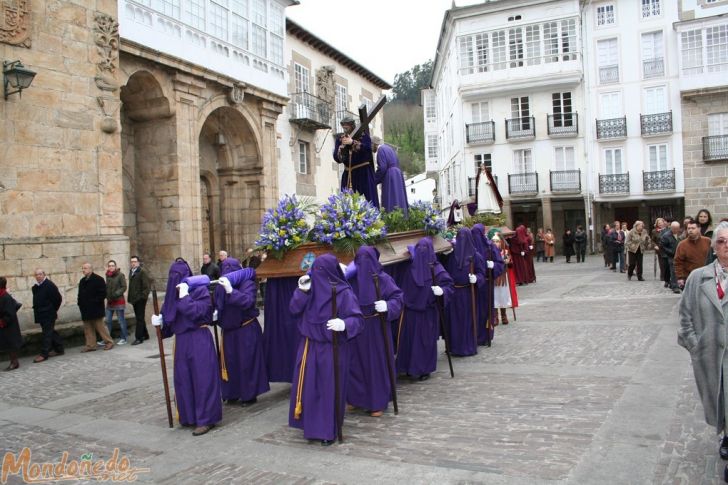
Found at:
[706, 183]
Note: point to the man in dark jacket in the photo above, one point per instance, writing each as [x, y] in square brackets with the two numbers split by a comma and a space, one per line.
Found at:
[580, 244]
[668, 245]
[140, 284]
[616, 243]
[209, 267]
[91, 295]
[46, 302]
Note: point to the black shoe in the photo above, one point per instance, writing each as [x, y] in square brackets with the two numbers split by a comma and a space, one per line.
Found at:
[423, 377]
[137, 342]
[327, 442]
[723, 448]
[639, 278]
[676, 290]
[245, 404]
[629, 277]
[231, 401]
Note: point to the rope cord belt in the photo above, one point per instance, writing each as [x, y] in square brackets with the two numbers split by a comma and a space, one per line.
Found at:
[299, 390]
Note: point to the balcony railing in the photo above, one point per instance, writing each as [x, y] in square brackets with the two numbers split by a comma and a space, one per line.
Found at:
[715, 148]
[612, 128]
[310, 111]
[617, 183]
[656, 124]
[565, 124]
[480, 132]
[523, 183]
[609, 74]
[565, 181]
[521, 127]
[659, 181]
[653, 67]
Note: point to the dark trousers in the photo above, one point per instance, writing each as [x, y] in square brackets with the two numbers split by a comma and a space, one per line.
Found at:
[51, 339]
[618, 258]
[663, 267]
[140, 330]
[635, 263]
[540, 255]
[580, 249]
[671, 272]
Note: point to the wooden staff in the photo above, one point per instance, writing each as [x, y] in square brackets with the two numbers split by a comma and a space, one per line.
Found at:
[472, 302]
[214, 325]
[387, 349]
[491, 296]
[337, 387]
[155, 301]
[441, 319]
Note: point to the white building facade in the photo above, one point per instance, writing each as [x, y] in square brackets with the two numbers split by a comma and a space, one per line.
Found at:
[507, 97]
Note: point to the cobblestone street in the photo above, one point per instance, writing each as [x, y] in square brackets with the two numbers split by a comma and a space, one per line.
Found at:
[587, 386]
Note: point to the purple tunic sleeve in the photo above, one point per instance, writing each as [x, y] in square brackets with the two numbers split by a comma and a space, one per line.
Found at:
[381, 170]
[480, 270]
[193, 311]
[351, 314]
[239, 304]
[444, 281]
[298, 302]
[392, 294]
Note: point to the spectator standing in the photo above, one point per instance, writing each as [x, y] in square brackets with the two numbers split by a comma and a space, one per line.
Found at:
[638, 241]
[668, 243]
[140, 284]
[568, 240]
[656, 233]
[705, 222]
[46, 302]
[10, 338]
[91, 295]
[691, 253]
[606, 248]
[115, 302]
[540, 245]
[549, 241]
[209, 267]
[616, 242]
[580, 244]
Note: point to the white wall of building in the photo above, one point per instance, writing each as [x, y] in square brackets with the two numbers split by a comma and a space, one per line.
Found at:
[420, 187]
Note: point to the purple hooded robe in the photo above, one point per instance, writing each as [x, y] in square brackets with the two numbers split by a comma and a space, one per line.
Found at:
[241, 344]
[488, 252]
[390, 176]
[196, 370]
[419, 327]
[463, 340]
[313, 378]
[280, 333]
[362, 174]
[369, 385]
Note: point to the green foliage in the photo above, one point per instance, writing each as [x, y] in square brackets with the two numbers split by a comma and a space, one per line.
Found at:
[484, 218]
[395, 221]
[404, 129]
[407, 85]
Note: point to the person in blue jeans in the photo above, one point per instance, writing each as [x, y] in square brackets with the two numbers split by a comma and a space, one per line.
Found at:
[616, 242]
[115, 302]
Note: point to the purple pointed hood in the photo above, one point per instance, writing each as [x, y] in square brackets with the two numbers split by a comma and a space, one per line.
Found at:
[424, 258]
[367, 265]
[386, 157]
[325, 274]
[464, 247]
[177, 272]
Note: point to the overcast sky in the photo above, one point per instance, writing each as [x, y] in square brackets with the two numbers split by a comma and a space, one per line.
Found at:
[385, 36]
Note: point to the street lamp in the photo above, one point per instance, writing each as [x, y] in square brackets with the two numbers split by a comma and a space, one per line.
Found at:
[16, 77]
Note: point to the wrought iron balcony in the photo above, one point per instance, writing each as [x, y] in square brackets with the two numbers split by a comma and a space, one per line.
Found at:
[656, 124]
[612, 128]
[565, 181]
[480, 132]
[309, 111]
[616, 183]
[659, 181]
[715, 148]
[521, 127]
[653, 67]
[523, 183]
[564, 124]
[609, 74]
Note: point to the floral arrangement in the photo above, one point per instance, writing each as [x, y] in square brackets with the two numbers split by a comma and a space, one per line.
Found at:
[348, 221]
[284, 227]
[427, 216]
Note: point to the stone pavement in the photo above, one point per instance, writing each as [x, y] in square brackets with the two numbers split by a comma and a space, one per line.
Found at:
[587, 386]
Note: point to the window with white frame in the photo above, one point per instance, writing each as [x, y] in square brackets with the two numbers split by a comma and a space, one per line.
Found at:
[259, 12]
[717, 124]
[276, 49]
[451, 132]
[605, 15]
[168, 7]
[431, 147]
[651, 8]
[533, 45]
[430, 106]
[277, 19]
[551, 42]
[564, 158]
[239, 31]
[499, 49]
[515, 47]
[613, 161]
[479, 112]
[218, 20]
[562, 109]
[523, 161]
[657, 156]
[259, 44]
[655, 100]
[467, 60]
[483, 160]
[195, 13]
[608, 61]
[716, 48]
[653, 55]
[301, 78]
[610, 105]
[691, 45]
[568, 39]
[302, 157]
[239, 7]
[341, 98]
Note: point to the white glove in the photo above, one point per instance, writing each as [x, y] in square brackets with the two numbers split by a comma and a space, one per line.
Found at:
[225, 283]
[380, 306]
[437, 291]
[184, 290]
[157, 320]
[343, 268]
[490, 264]
[530, 248]
[522, 253]
[336, 325]
[473, 279]
[214, 316]
[304, 283]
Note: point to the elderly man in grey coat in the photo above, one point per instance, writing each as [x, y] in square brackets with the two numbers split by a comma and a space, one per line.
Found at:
[704, 333]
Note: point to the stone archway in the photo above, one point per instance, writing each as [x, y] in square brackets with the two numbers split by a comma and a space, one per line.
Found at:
[230, 163]
[149, 171]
